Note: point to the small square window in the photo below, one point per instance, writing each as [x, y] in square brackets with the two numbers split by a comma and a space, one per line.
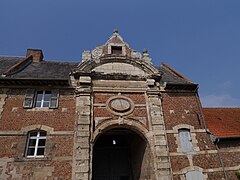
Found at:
[116, 49]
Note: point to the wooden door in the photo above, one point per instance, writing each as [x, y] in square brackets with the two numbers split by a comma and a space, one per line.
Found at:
[111, 163]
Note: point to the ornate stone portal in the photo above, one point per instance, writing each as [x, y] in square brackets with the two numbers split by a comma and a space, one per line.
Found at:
[118, 98]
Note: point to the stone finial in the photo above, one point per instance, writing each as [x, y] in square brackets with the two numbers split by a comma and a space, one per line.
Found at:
[135, 54]
[145, 51]
[146, 56]
[97, 53]
[86, 55]
[115, 31]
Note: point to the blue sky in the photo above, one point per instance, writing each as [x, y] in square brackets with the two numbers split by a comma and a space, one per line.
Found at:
[200, 39]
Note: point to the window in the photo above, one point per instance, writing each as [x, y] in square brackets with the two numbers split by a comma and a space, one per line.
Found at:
[36, 144]
[116, 49]
[196, 175]
[41, 99]
[185, 140]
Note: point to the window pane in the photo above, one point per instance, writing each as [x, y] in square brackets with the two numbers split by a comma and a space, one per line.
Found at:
[38, 104]
[40, 151]
[47, 96]
[46, 104]
[32, 142]
[30, 151]
[41, 142]
[43, 133]
[33, 134]
[28, 102]
[53, 103]
[39, 95]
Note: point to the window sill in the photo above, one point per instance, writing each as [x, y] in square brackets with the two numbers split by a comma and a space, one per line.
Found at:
[29, 159]
[40, 109]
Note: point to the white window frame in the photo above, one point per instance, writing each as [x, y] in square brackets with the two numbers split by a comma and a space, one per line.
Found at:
[42, 100]
[36, 146]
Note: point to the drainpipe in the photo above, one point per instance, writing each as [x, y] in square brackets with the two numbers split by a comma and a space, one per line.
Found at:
[201, 112]
[214, 139]
[218, 152]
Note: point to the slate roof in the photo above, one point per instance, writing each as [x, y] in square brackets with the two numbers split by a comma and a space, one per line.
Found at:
[38, 70]
[223, 122]
[60, 70]
[8, 61]
[170, 77]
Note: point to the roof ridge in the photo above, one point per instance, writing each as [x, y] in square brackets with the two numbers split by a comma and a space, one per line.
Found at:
[176, 72]
[18, 66]
[59, 61]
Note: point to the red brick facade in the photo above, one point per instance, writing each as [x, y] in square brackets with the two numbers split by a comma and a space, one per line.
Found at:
[110, 116]
[58, 161]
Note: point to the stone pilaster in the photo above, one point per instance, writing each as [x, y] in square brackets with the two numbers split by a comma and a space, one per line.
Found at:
[161, 152]
[3, 96]
[81, 159]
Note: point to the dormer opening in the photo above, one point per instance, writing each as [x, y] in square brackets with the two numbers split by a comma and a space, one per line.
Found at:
[116, 49]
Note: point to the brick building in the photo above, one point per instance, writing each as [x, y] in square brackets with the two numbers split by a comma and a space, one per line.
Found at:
[112, 116]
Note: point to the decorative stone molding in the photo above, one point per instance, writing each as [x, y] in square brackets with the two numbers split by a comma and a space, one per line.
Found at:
[38, 127]
[135, 54]
[97, 53]
[82, 153]
[120, 105]
[158, 134]
[189, 169]
[121, 123]
[183, 126]
[89, 66]
[86, 55]
[146, 56]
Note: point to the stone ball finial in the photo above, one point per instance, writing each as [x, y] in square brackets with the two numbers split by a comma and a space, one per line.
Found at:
[145, 51]
[115, 31]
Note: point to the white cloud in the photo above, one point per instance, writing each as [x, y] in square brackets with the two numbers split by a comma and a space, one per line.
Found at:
[224, 100]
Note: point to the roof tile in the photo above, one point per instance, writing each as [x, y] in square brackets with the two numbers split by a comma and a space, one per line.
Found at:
[223, 122]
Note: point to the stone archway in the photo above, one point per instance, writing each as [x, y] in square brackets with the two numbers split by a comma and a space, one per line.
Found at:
[121, 154]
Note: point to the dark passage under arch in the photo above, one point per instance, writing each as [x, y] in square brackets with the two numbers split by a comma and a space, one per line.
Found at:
[118, 154]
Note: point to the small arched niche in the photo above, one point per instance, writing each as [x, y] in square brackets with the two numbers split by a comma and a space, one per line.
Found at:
[123, 154]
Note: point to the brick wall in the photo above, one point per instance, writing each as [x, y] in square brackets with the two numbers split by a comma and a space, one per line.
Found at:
[14, 124]
[181, 109]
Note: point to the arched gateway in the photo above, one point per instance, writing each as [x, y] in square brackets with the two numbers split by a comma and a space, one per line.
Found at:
[121, 153]
[120, 128]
